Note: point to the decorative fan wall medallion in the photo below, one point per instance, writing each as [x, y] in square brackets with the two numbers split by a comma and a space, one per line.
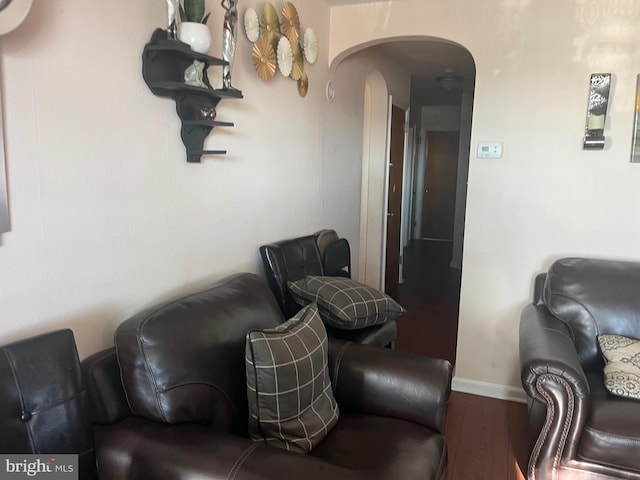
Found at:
[270, 24]
[284, 56]
[291, 22]
[303, 85]
[251, 25]
[279, 45]
[310, 46]
[298, 61]
[264, 59]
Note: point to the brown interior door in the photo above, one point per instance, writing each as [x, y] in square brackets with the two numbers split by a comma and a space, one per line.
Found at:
[438, 208]
[394, 205]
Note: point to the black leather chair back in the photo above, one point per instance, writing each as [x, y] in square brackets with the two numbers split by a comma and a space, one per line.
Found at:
[337, 259]
[290, 260]
[42, 400]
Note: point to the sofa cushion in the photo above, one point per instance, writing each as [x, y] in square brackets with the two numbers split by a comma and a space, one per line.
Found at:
[345, 303]
[183, 361]
[384, 448]
[141, 449]
[593, 296]
[611, 435]
[622, 371]
[291, 404]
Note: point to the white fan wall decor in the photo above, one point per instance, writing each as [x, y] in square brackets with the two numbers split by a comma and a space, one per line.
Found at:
[284, 56]
[251, 25]
[310, 46]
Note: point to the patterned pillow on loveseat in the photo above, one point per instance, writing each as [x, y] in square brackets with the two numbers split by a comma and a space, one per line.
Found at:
[622, 370]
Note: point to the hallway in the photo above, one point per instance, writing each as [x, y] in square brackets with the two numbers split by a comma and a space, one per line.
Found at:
[430, 294]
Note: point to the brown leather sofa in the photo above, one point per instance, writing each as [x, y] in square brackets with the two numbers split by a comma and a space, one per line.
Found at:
[191, 404]
[579, 429]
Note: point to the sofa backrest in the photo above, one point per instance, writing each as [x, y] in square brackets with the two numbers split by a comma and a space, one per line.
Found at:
[183, 361]
[42, 400]
[594, 297]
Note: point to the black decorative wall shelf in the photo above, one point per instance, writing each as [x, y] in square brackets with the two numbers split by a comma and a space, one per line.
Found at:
[164, 62]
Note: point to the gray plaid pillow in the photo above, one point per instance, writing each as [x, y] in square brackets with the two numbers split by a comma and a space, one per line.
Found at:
[622, 370]
[345, 303]
[291, 404]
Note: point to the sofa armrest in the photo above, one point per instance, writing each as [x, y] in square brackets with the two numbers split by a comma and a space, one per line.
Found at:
[390, 383]
[551, 373]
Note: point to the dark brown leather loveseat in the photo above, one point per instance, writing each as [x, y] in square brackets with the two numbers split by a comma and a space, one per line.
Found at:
[187, 382]
[581, 430]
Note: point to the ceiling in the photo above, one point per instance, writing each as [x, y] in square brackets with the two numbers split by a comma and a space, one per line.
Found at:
[426, 60]
[429, 56]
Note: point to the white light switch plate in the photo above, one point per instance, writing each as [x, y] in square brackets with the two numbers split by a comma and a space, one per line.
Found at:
[489, 149]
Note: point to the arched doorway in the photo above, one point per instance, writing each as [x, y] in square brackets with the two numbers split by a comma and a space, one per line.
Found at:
[442, 76]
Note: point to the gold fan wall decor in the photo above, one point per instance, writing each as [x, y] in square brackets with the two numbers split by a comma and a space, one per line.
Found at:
[291, 22]
[267, 57]
[270, 25]
[297, 68]
[264, 58]
[303, 85]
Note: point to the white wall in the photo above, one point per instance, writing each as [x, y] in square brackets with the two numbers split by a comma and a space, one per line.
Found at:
[107, 216]
[547, 197]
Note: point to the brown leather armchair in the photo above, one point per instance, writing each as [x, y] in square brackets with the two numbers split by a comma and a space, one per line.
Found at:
[579, 429]
[188, 392]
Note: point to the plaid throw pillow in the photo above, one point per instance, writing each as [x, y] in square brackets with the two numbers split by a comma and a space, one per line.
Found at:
[622, 371]
[345, 303]
[291, 404]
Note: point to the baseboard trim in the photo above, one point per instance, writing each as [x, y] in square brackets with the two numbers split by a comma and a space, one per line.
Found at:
[485, 389]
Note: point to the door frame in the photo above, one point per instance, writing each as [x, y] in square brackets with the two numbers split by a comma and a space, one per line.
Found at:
[374, 174]
[405, 208]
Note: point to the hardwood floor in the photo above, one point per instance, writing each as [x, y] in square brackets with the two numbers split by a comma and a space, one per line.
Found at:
[431, 295]
[486, 437]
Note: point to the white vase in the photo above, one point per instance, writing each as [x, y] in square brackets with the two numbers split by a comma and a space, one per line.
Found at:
[197, 35]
